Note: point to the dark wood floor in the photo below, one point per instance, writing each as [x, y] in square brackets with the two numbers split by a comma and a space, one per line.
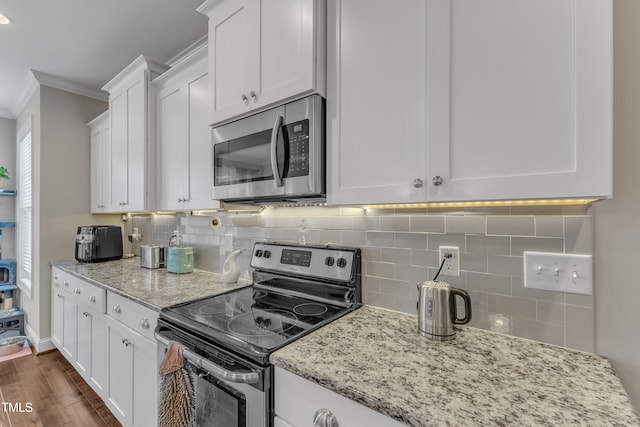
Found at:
[57, 393]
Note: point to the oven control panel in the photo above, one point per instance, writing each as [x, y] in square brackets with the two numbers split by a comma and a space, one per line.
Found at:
[331, 263]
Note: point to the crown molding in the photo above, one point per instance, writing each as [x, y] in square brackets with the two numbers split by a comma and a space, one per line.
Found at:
[192, 50]
[36, 78]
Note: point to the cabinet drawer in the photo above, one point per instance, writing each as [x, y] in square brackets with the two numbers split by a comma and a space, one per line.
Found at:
[89, 294]
[139, 318]
[297, 400]
[62, 278]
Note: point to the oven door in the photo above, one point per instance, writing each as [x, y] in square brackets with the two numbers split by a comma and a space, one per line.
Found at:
[271, 155]
[237, 396]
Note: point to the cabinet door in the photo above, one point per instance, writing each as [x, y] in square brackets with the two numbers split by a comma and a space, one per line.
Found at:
[91, 348]
[119, 392]
[200, 149]
[57, 315]
[234, 57]
[145, 382]
[136, 146]
[97, 169]
[118, 154]
[287, 49]
[173, 147]
[519, 99]
[375, 102]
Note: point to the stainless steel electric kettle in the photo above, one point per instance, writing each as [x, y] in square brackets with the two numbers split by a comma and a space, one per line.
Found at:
[437, 311]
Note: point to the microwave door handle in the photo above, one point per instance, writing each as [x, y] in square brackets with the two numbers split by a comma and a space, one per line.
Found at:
[274, 146]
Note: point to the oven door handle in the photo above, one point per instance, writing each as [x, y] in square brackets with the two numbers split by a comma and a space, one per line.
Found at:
[274, 148]
[212, 368]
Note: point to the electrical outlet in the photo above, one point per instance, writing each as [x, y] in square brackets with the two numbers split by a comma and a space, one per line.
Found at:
[451, 265]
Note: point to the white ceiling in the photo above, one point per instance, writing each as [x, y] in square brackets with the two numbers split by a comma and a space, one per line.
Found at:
[88, 42]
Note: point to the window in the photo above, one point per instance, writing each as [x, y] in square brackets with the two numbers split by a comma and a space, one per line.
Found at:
[25, 209]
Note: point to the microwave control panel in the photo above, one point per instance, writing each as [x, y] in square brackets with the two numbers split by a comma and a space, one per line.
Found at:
[298, 138]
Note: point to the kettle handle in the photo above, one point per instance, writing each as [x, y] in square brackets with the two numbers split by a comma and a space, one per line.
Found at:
[467, 306]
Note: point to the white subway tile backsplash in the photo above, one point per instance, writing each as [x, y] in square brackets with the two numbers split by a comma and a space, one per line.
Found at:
[465, 224]
[505, 264]
[536, 244]
[490, 283]
[400, 249]
[513, 225]
[411, 240]
[427, 224]
[497, 245]
[551, 226]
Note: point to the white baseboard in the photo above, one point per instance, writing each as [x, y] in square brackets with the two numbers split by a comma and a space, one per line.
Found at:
[38, 343]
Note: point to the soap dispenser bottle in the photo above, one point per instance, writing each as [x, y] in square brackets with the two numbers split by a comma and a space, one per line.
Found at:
[230, 268]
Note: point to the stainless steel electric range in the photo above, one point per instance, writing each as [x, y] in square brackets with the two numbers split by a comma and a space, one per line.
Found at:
[228, 338]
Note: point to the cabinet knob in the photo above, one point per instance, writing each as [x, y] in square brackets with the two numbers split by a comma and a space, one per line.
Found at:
[144, 322]
[126, 342]
[66, 283]
[77, 291]
[180, 200]
[324, 418]
[92, 298]
[244, 97]
[253, 95]
[86, 314]
[417, 183]
[60, 296]
[437, 180]
[116, 308]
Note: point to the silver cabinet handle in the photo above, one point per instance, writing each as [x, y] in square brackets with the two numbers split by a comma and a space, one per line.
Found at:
[253, 95]
[437, 180]
[417, 183]
[116, 308]
[92, 298]
[144, 322]
[274, 146]
[324, 418]
[66, 283]
[244, 97]
[55, 277]
[180, 200]
[126, 342]
[77, 291]
[86, 314]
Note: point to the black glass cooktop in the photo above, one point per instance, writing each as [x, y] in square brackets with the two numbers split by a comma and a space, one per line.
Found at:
[252, 321]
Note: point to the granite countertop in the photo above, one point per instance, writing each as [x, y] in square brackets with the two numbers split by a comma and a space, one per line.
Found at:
[154, 288]
[377, 358]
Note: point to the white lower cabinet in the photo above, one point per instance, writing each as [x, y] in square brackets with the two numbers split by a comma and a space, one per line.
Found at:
[114, 352]
[131, 391]
[90, 360]
[297, 401]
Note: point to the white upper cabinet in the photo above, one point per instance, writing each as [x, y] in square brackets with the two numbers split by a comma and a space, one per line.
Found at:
[131, 109]
[262, 54]
[519, 99]
[183, 137]
[463, 100]
[375, 101]
[100, 163]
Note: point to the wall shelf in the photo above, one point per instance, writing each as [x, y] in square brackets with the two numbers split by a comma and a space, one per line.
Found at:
[7, 224]
[8, 287]
[8, 192]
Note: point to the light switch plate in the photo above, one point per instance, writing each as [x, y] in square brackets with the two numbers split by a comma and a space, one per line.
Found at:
[558, 272]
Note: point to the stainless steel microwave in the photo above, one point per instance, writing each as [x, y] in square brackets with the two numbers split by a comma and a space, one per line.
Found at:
[274, 156]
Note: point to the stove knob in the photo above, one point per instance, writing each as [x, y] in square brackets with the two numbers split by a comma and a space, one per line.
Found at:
[267, 253]
[342, 263]
[324, 418]
[329, 261]
[259, 320]
[258, 253]
[266, 323]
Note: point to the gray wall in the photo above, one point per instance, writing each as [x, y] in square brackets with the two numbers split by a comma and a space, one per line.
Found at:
[400, 249]
[617, 224]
